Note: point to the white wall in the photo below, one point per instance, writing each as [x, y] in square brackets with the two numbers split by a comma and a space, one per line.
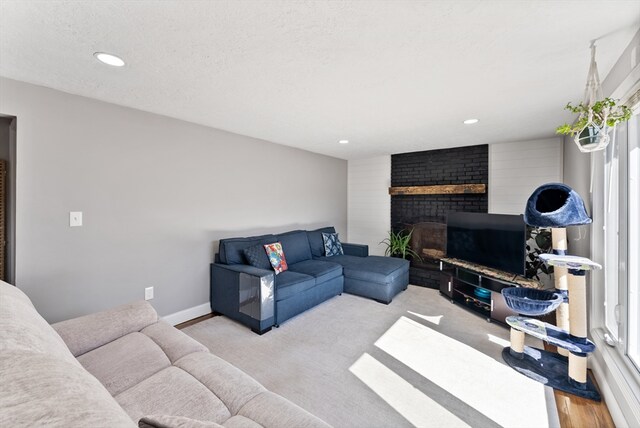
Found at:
[369, 206]
[157, 195]
[577, 175]
[517, 169]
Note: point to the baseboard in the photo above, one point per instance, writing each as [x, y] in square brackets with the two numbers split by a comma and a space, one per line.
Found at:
[188, 314]
[615, 386]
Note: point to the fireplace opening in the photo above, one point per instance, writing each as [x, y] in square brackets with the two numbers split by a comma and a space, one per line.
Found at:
[429, 240]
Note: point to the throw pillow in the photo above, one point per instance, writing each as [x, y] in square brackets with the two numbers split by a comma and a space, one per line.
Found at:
[276, 257]
[257, 257]
[332, 245]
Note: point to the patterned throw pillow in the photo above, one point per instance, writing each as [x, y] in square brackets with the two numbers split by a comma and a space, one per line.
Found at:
[332, 245]
[257, 257]
[276, 257]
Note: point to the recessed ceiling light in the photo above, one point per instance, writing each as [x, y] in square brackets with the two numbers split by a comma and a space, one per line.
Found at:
[470, 121]
[109, 59]
[343, 141]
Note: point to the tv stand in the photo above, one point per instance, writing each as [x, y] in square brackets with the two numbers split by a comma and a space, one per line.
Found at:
[459, 279]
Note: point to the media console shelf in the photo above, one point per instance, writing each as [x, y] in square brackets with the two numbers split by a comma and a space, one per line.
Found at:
[459, 280]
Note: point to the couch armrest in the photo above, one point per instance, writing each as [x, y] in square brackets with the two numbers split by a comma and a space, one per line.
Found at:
[244, 293]
[359, 250]
[249, 270]
[86, 333]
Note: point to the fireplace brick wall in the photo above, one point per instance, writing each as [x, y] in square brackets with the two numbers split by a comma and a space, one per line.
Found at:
[461, 165]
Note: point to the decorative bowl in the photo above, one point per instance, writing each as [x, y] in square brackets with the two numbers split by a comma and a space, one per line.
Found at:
[482, 293]
[532, 302]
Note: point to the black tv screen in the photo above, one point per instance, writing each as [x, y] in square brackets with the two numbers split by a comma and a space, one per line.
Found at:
[493, 240]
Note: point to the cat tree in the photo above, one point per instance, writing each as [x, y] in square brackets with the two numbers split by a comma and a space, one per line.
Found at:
[557, 206]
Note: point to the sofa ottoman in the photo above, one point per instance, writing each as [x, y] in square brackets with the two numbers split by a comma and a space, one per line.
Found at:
[378, 278]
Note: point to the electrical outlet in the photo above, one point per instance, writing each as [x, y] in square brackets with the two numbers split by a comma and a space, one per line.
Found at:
[148, 293]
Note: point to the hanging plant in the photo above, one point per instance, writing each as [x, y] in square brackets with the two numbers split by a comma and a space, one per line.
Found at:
[597, 115]
[590, 131]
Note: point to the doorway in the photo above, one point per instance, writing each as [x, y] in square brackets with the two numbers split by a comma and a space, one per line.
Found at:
[7, 197]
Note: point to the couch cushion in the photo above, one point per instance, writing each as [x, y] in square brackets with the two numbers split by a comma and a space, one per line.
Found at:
[231, 249]
[291, 283]
[260, 409]
[121, 364]
[372, 268]
[174, 343]
[320, 270]
[257, 257]
[88, 332]
[295, 245]
[230, 384]
[316, 243]
[173, 391]
[240, 422]
[168, 421]
[42, 390]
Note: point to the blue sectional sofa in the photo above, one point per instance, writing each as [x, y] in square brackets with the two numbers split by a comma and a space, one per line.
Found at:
[260, 299]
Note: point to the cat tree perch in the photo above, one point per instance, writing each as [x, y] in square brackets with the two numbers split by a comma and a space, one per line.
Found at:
[557, 206]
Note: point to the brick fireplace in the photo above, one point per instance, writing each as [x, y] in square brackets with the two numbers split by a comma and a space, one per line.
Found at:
[427, 214]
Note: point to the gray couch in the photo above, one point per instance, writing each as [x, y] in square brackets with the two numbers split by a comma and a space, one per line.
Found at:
[259, 299]
[121, 368]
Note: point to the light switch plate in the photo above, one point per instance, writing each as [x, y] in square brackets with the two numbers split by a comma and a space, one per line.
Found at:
[148, 293]
[75, 218]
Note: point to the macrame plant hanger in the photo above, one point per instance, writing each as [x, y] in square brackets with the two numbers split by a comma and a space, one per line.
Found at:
[593, 93]
[593, 136]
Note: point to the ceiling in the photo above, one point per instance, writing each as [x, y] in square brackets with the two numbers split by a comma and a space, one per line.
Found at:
[389, 76]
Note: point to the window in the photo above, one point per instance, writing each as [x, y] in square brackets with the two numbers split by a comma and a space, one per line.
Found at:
[620, 216]
[633, 349]
[612, 225]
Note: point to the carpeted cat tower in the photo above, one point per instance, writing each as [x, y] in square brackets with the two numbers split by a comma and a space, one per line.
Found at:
[557, 206]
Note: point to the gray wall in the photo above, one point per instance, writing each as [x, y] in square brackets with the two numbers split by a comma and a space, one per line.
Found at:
[622, 78]
[157, 194]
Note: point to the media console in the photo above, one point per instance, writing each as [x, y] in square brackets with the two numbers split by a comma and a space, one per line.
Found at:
[459, 281]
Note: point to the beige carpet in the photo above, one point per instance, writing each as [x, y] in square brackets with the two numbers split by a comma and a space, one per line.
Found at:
[420, 361]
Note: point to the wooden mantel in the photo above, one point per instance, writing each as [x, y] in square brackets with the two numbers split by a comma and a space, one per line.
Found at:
[445, 189]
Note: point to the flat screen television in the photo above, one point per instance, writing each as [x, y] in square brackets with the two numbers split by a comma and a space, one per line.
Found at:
[493, 240]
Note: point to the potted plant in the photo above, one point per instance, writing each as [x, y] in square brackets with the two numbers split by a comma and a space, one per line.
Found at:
[398, 245]
[590, 131]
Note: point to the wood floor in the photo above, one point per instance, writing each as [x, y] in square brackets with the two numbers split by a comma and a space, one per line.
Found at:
[194, 321]
[574, 412]
[578, 412]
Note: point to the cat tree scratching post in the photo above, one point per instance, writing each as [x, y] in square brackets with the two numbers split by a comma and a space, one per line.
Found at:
[517, 343]
[561, 279]
[578, 323]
